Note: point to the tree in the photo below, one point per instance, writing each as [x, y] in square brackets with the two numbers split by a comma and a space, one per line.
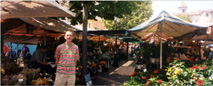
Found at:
[184, 17]
[104, 9]
[142, 12]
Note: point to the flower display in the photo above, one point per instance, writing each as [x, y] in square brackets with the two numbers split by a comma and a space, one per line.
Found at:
[40, 81]
[196, 59]
[150, 75]
[176, 73]
[204, 57]
[159, 81]
[199, 82]
[203, 67]
[102, 62]
[155, 72]
[132, 74]
[194, 67]
[94, 65]
[169, 70]
[148, 82]
[177, 70]
[143, 77]
[190, 58]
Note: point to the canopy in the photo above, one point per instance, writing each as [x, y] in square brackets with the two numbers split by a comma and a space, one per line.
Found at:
[98, 38]
[130, 39]
[21, 8]
[203, 37]
[170, 25]
[155, 35]
[32, 30]
[41, 22]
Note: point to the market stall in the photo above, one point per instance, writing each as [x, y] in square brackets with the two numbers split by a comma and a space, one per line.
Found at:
[168, 24]
[27, 22]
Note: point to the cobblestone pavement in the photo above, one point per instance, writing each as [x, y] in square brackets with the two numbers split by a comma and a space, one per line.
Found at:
[115, 75]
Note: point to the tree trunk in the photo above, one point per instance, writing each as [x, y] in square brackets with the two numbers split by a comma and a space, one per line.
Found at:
[84, 46]
[2, 43]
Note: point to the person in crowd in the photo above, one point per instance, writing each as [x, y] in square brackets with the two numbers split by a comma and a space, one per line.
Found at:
[66, 56]
[38, 59]
[24, 54]
[180, 50]
[12, 53]
[38, 46]
[5, 50]
[24, 51]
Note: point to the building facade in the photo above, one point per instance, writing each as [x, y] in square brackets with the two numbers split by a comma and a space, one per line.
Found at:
[202, 17]
[96, 25]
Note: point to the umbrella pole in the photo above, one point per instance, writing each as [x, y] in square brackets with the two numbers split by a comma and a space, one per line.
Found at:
[161, 44]
[205, 41]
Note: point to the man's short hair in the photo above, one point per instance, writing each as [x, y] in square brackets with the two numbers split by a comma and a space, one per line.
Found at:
[69, 31]
[43, 47]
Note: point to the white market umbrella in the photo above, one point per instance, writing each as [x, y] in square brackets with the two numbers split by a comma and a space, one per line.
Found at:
[169, 25]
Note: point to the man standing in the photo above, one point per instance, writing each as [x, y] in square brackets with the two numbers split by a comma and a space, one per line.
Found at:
[66, 55]
[24, 51]
[24, 54]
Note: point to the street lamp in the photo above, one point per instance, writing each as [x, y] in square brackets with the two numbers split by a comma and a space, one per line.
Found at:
[115, 62]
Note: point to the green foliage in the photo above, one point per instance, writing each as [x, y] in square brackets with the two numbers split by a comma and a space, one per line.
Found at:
[103, 9]
[139, 14]
[184, 17]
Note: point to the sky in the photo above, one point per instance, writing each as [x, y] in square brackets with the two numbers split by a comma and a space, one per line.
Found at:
[172, 6]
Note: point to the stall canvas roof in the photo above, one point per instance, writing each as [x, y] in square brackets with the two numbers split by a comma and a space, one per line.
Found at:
[50, 24]
[22, 8]
[41, 22]
[170, 25]
[32, 30]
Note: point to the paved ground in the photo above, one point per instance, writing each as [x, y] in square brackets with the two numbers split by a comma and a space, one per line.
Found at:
[115, 75]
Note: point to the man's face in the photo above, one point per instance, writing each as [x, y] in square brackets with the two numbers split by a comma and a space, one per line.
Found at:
[24, 45]
[211, 48]
[68, 36]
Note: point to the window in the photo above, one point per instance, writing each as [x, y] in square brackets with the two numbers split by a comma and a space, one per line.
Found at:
[89, 25]
[207, 14]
